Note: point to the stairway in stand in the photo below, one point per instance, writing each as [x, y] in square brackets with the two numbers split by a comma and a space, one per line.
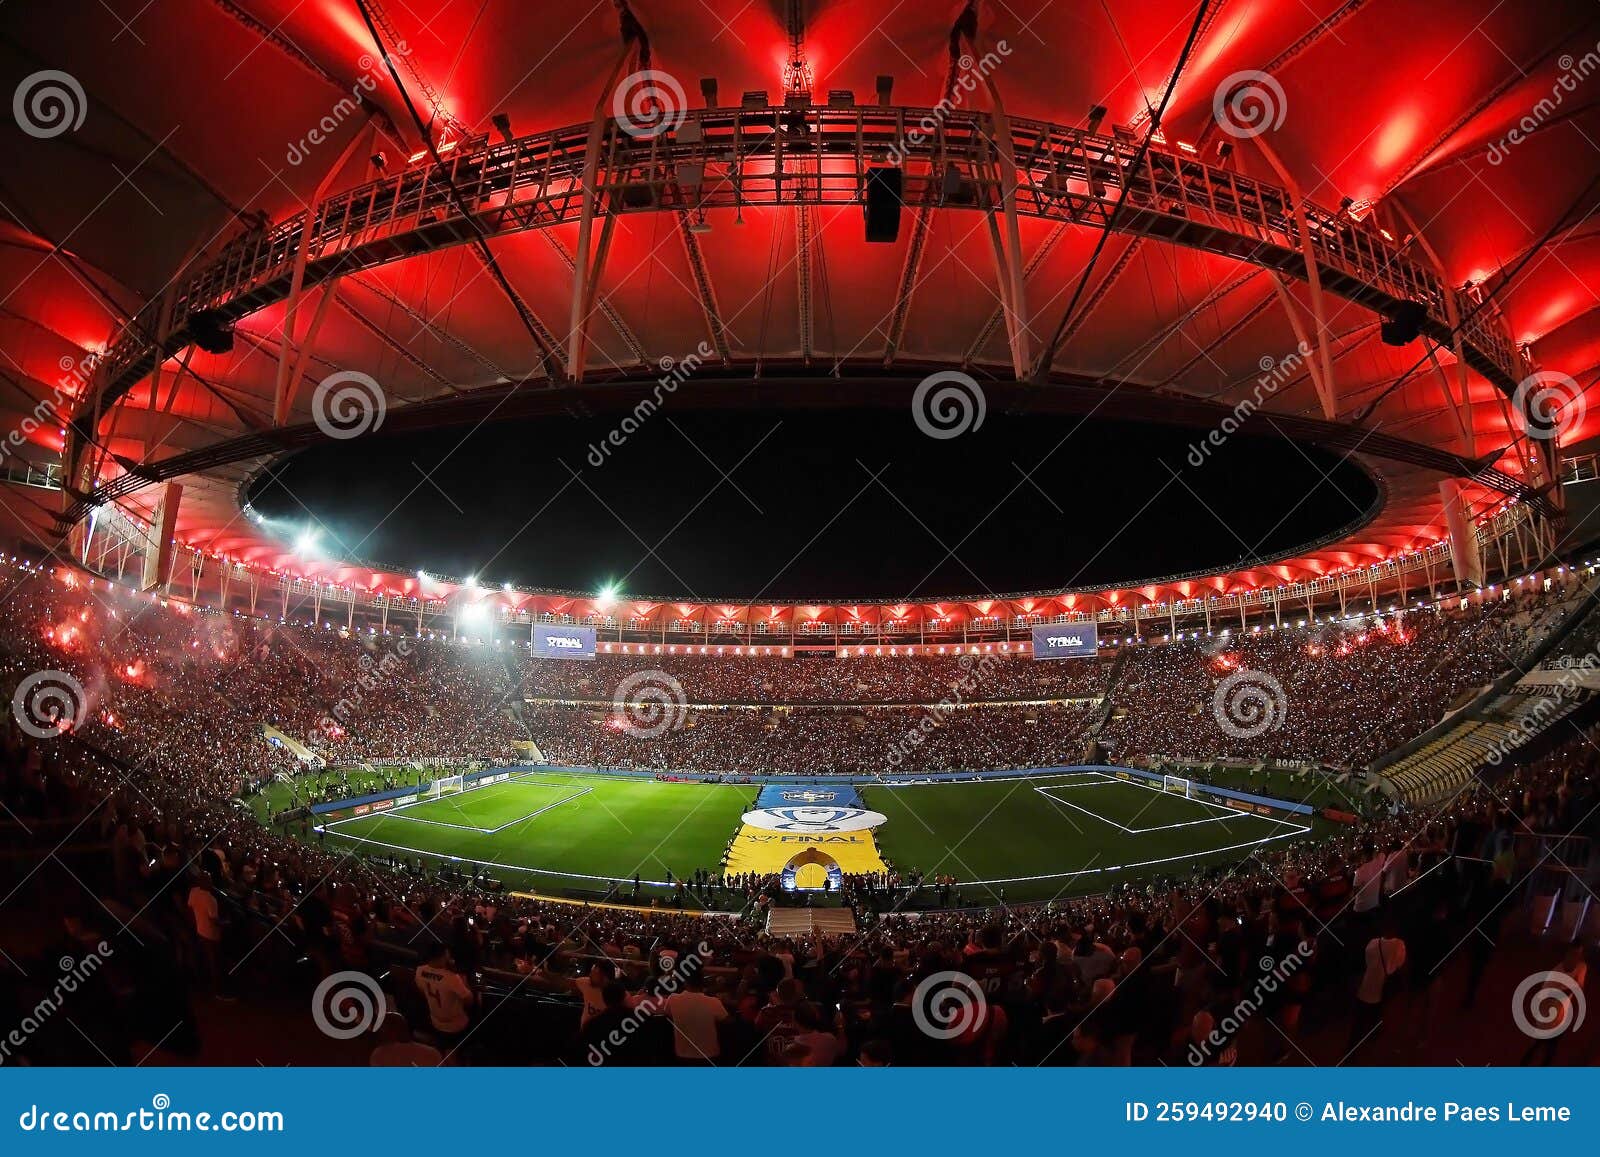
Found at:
[811, 922]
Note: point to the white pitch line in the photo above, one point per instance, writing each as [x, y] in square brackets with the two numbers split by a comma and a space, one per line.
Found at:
[399, 814]
[540, 812]
[1075, 778]
[495, 863]
[1143, 863]
[1227, 812]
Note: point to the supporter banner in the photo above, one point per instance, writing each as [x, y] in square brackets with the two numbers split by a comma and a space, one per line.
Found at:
[1066, 641]
[552, 642]
[791, 819]
[361, 804]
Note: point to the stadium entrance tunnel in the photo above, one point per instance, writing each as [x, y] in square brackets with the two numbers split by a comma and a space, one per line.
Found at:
[812, 871]
[747, 503]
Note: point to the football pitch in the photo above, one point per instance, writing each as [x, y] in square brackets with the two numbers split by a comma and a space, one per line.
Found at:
[1040, 837]
[1028, 837]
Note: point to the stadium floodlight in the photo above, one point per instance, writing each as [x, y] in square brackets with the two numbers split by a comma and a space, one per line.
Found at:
[307, 542]
[607, 596]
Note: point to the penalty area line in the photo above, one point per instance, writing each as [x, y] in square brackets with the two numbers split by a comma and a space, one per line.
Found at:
[540, 812]
[1142, 863]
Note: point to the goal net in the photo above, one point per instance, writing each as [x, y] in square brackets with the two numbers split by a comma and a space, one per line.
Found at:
[445, 785]
[1177, 785]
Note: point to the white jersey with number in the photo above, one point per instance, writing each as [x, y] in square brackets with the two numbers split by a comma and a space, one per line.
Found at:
[448, 997]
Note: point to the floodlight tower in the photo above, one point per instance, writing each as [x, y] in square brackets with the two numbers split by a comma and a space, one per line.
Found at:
[797, 76]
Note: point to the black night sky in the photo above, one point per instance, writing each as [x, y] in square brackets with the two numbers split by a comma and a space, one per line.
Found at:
[824, 505]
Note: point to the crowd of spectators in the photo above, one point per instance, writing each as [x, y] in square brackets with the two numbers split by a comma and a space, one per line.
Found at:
[1172, 971]
[1342, 693]
[1145, 973]
[818, 740]
[199, 686]
[986, 676]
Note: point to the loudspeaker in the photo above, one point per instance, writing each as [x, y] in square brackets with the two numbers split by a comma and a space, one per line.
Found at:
[883, 204]
[212, 332]
[1406, 324]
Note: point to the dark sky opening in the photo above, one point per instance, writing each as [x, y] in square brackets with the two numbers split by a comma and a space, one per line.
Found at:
[715, 504]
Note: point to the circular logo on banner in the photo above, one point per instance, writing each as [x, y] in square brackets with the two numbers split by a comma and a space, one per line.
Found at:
[810, 795]
[811, 820]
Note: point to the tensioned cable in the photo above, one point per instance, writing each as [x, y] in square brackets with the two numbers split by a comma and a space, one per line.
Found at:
[479, 238]
[1042, 366]
[1488, 295]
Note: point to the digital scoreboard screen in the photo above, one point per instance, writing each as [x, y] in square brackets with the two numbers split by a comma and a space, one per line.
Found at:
[1066, 641]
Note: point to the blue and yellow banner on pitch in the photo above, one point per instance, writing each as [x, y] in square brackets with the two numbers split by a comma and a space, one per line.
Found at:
[792, 818]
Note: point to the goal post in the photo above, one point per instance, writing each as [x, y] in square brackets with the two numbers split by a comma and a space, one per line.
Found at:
[1177, 785]
[445, 785]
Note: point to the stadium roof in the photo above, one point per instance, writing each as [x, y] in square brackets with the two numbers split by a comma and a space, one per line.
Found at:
[1443, 153]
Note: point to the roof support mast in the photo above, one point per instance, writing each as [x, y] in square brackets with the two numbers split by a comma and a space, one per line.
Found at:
[912, 269]
[1005, 234]
[797, 82]
[292, 351]
[587, 264]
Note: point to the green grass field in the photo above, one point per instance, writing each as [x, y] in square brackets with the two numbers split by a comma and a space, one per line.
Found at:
[278, 795]
[550, 831]
[1035, 838]
[1042, 837]
[1297, 787]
